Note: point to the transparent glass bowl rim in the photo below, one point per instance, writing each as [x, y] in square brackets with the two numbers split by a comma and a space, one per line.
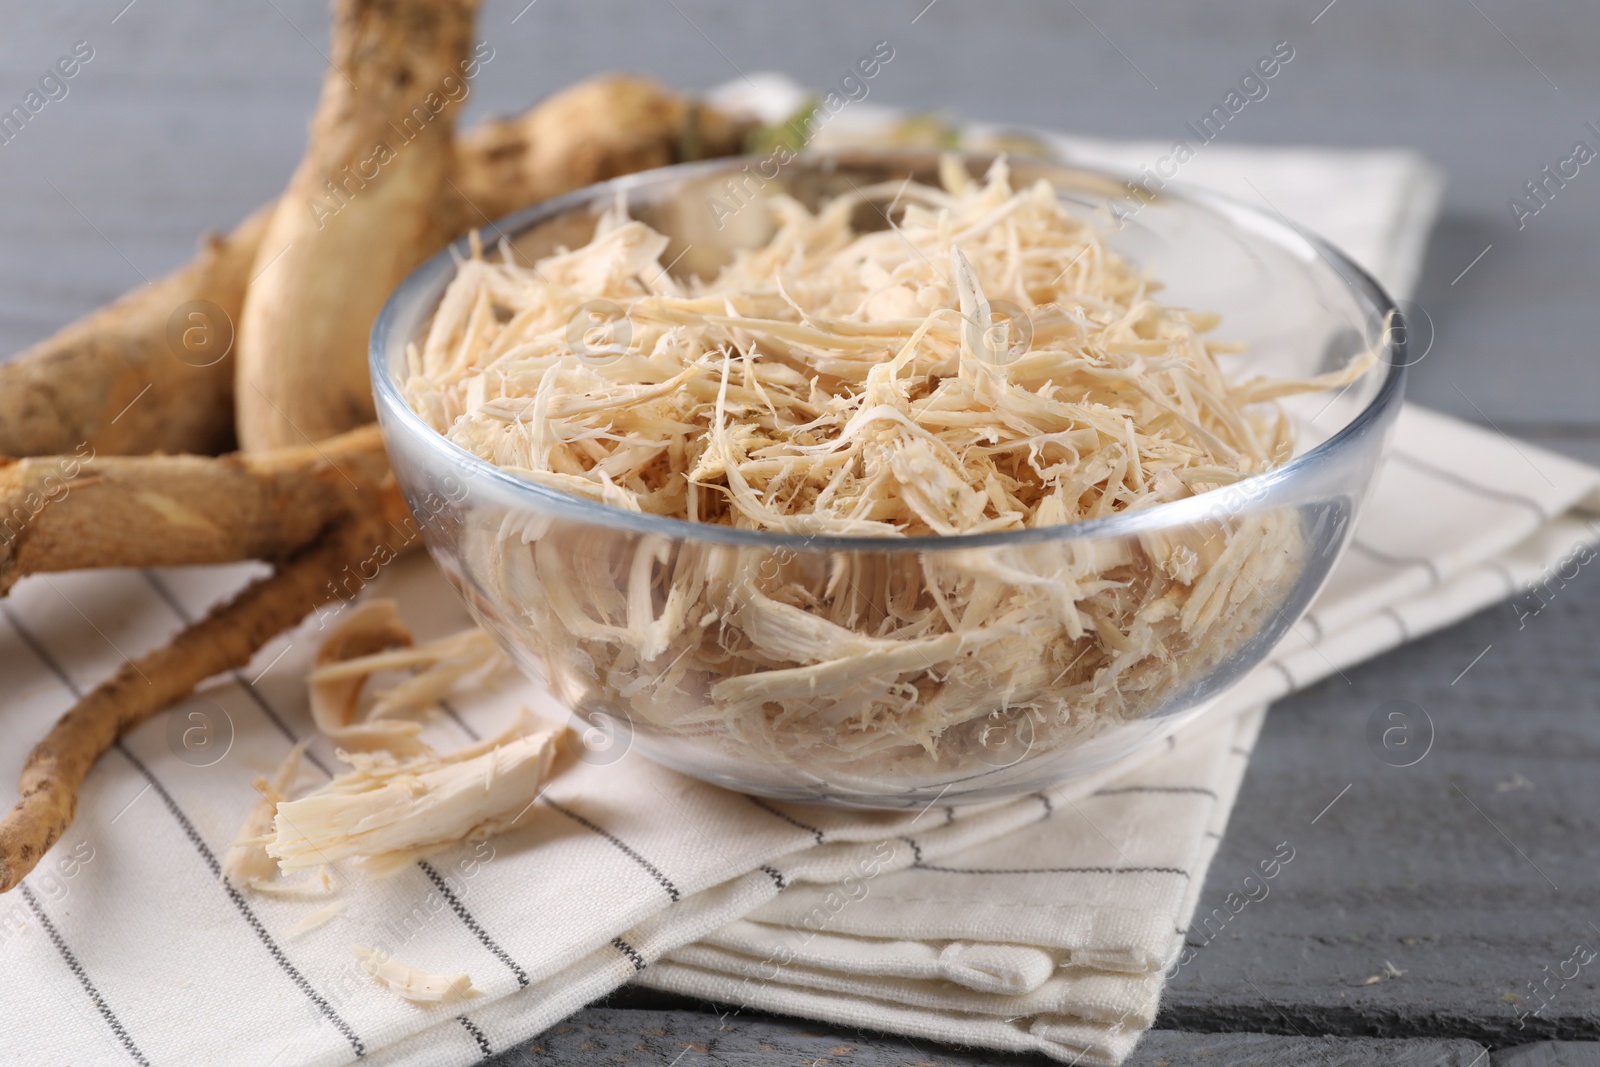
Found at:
[409, 305]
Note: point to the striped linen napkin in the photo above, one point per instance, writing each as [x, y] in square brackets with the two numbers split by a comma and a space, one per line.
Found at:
[1055, 938]
[1041, 923]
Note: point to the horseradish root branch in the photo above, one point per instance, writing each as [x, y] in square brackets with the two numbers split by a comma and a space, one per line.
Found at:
[149, 373]
[593, 131]
[63, 513]
[380, 151]
[225, 639]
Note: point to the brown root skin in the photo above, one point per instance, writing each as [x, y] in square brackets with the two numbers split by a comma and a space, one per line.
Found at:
[65, 513]
[113, 381]
[595, 130]
[74, 388]
[225, 639]
[360, 212]
[294, 503]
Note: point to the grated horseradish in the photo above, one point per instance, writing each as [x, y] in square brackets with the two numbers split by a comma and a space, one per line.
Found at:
[986, 364]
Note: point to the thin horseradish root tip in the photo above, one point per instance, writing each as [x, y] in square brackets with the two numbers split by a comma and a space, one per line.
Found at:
[985, 364]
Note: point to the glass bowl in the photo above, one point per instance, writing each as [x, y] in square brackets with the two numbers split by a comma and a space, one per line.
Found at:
[555, 577]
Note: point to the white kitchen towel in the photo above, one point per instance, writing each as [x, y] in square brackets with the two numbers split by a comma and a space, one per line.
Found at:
[1052, 938]
[124, 946]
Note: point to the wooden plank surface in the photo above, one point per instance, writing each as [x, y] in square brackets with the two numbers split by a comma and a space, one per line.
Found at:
[647, 1036]
[190, 114]
[1470, 872]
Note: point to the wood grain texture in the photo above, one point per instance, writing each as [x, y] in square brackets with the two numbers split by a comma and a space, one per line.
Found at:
[1471, 872]
[1551, 1054]
[610, 1035]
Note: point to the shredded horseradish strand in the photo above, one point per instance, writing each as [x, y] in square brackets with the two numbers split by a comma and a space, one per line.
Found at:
[372, 639]
[385, 809]
[247, 862]
[400, 799]
[988, 364]
[322, 916]
[413, 984]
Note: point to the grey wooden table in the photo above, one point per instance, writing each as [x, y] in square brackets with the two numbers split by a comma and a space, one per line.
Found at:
[1429, 897]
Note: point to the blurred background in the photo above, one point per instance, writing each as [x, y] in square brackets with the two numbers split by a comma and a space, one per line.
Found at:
[190, 114]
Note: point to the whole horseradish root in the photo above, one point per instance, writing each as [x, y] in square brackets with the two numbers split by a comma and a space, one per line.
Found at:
[90, 402]
[154, 371]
